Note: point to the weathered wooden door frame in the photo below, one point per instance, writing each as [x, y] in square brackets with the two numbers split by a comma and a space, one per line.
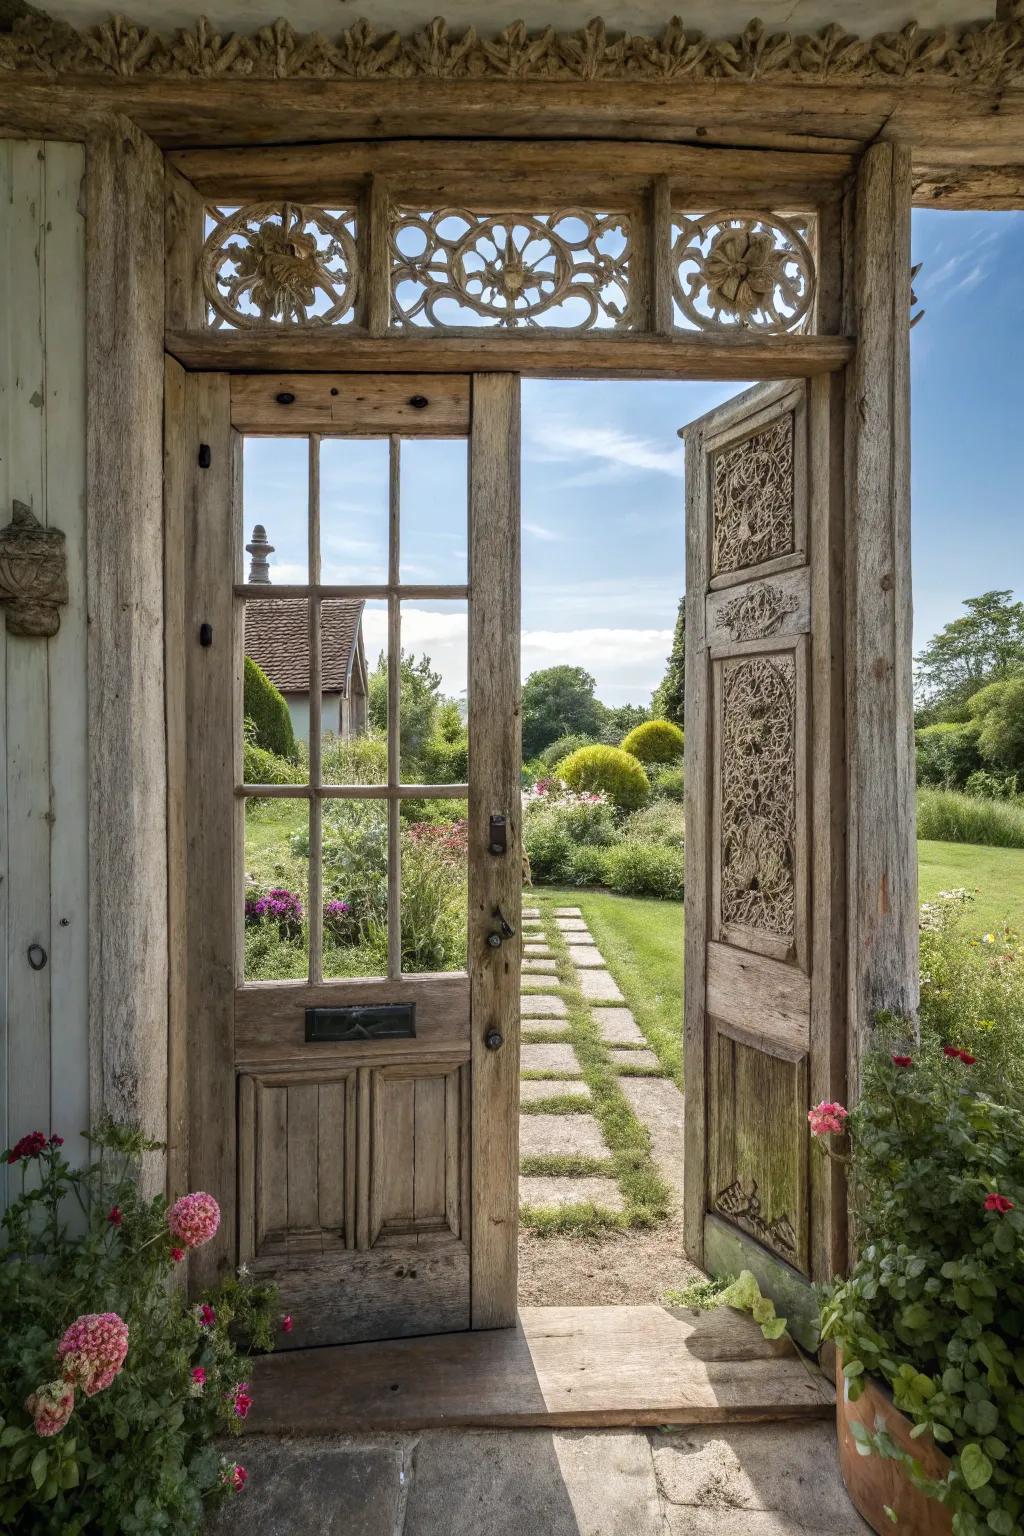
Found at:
[203, 438]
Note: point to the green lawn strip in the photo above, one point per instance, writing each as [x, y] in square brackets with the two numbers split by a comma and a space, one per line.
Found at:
[647, 1197]
[630, 1069]
[996, 875]
[544, 1074]
[557, 1104]
[642, 943]
[582, 1220]
[566, 1165]
[542, 1035]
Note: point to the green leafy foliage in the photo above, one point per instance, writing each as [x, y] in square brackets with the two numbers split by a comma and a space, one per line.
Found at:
[983, 645]
[947, 753]
[745, 1295]
[140, 1455]
[935, 1302]
[668, 783]
[419, 701]
[556, 827]
[947, 817]
[645, 869]
[670, 695]
[559, 701]
[265, 706]
[446, 754]
[656, 741]
[998, 713]
[562, 748]
[607, 770]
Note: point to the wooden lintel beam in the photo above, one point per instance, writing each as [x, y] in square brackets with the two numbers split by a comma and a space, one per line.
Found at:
[538, 355]
[988, 188]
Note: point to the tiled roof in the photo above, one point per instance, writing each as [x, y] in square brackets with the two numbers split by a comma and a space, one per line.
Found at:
[277, 639]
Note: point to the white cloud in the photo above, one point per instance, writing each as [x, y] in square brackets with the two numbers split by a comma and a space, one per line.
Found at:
[560, 439]
[539, 531]
[628, 663]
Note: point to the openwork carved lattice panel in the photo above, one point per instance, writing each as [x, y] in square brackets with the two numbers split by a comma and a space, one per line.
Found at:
[280, 263]
[754, 499]
[742, 270]
[453, 268]
[758, 794]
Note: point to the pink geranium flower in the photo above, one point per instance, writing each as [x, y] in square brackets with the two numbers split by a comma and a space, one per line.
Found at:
[177, 1254]
[236, 1477]
[206, 1315]
[51, 1406]
[826, 1119]
[241, 1401]
[286, 1323]
[998, 1203]
[93, 1350]
[194, 1219]
[903, 1061]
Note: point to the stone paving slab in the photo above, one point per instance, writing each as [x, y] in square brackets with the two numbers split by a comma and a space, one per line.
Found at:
[551, 1135]
[559, 1059]
[589, 959]
[528, 912]
[558, 1192]
[319, 1488]
[537, 950]
[645, 1059]
[533, 1090]
[586, 939]
[571, 925]
[658, 1104]
[534, 1027]
[533, 967]
[617, 1026]
[539, 1005]
[568, 912]
[599, 987]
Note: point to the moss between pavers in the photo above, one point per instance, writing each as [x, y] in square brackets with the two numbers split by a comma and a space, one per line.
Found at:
[557, 1104]
[647, 1196]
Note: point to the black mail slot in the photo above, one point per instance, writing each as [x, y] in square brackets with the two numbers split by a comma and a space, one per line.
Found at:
[378, 1021]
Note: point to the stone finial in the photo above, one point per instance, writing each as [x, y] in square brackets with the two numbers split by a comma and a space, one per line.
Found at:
[260, 548]
[33, 574]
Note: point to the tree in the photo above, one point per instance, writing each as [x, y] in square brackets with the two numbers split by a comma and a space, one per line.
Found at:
[623, 719]
[559, 701]
[998, 713]
[419, 699]
[267, 708]
[984, 645]
[670, 694]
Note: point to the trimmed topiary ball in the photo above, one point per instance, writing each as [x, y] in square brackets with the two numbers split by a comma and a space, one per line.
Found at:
[656, 741]
[607, 770]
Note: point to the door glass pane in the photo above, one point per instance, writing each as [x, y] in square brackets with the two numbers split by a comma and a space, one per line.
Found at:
[276, 889]
[354, 479]
[355, 887]
[354, 705]
[275, 691]
[435, 511]
[433, 702]
[275, 496]
[434, 853]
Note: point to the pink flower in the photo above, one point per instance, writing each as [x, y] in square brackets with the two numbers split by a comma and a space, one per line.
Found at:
[286, 1323]
[194, 1219]
[51, 1406]
[206, 1315]
[242, 1402]
[956, 1054]
[199, 1375]
[177, 1254]
[998, 1203]
[29, 1146]
[93, 1350]
[114, 1216]
[903, 1061]
[236, 1477]
[56, 1141]
[967, 1059]
[826, 1119]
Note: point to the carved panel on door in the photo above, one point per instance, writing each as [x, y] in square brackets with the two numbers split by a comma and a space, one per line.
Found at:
[417, 1155]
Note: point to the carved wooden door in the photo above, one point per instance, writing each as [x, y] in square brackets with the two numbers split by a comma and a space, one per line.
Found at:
[765, 1026]
[353, 901]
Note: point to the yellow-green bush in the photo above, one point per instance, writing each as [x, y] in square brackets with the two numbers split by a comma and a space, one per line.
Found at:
[607, 770]
[656, 741]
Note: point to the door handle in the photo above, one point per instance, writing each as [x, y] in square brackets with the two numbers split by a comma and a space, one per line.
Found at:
[494, 1039]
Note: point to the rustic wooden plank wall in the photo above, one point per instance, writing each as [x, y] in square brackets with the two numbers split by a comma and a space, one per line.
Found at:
[43, 684]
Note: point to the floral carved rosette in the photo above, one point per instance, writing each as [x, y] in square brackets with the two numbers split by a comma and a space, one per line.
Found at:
[743, 270]
[280, 263]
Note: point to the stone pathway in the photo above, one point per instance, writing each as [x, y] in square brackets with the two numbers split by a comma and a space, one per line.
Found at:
[655, 1100]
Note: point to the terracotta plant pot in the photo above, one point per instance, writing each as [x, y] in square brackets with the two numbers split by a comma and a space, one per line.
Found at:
[873, 1481]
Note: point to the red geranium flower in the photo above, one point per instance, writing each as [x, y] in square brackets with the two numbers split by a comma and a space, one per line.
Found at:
[967, 1059]
[114, 1216]
[951, 1050]
[29, 1146]
[286, 1323]
[998, 1203]
[177, 1254]
[903, 1061]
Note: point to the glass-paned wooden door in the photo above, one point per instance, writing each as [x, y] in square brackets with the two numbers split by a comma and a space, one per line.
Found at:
[353, 778]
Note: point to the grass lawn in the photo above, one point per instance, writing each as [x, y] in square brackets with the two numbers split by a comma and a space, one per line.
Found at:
[996, 874]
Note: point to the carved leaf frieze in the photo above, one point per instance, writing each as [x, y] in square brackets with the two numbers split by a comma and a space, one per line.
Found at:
[757, 851]
[753, 496]
[755, 614]
[987, 55]
[744, 1207]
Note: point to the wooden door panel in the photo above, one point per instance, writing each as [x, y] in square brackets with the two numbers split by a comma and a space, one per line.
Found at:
[416, 1141]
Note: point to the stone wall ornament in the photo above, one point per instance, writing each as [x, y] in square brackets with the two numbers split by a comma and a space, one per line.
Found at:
[33, 575]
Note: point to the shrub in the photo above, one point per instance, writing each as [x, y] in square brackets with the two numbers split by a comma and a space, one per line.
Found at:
[435, 902]
[556, 822]
[656, 741]
[644, 869]
[265, 706]
[608, 770]
[982, 785]
[947, 753]
[948, 817]
[562, 748]
[998, 714]
[933, 1305]
[357, 760]
[587, 866]
[90, 1444]
[262, 767]
[668, 783]
[660, 822]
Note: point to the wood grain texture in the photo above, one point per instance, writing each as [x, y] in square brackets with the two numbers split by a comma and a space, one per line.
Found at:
[559, 1367]
[989, 188]
[270, 1017]
[783, 995]
[882, 854]
[494, 883]
[594, 355]
[184, 302]
[128, 965]
[351, 404]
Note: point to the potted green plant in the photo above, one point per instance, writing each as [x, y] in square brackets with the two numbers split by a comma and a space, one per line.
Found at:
[929, 1323]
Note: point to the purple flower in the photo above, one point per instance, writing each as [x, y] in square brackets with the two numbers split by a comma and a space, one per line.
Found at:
[337, 909]
[279, 906]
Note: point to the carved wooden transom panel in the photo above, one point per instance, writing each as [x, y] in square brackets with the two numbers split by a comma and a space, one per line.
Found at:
[758, 794]
[740, 270]
[280, 263]
[753, 499]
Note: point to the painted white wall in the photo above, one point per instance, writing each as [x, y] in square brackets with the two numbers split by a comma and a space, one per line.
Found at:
[44, 895]
[330, 714]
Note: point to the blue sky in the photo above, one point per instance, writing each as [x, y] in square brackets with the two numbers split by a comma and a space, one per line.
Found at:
[603, 485]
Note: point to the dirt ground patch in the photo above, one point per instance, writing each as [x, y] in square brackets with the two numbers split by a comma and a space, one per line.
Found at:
[620, 1269]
